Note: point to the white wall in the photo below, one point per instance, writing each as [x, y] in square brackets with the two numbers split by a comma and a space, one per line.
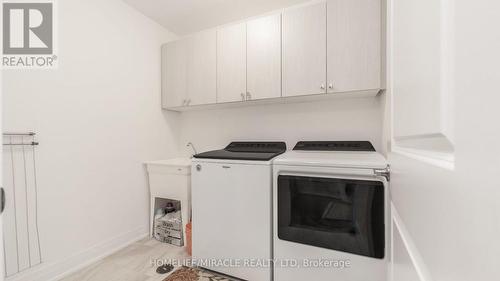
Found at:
[97, 117]
[337, 119]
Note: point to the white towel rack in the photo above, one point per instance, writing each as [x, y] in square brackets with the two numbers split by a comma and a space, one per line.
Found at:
[21, 237]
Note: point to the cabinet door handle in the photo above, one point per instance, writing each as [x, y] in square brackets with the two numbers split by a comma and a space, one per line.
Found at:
[183, 102]
[330, 86]
[188, 102]
[249, 97]
[242, 97]
[322, 86]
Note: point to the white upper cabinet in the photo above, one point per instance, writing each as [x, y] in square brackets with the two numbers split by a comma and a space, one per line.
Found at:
[189, 71]
[174, 88]
[231, 63]
[329, 46]
[304, 50]
[264, 58]
[354, 35]
[201, 68]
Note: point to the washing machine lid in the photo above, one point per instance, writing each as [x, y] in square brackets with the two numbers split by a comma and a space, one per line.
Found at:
[340, 154]
[253, 151]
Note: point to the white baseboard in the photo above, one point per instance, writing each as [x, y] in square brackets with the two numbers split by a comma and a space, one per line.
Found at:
[417, 262]
[57, 270]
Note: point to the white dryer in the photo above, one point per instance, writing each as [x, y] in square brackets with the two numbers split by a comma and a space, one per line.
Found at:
[231, 201]
[330, 213]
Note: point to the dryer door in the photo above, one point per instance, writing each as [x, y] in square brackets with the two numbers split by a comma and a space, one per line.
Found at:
[340, 214]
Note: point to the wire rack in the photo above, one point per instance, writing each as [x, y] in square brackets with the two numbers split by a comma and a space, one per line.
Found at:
[21, 238]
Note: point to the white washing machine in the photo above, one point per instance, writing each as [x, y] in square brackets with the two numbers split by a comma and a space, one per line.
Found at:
[331, 213]
[232, 211]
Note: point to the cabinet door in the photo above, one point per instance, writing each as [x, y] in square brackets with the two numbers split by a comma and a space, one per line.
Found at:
[231, 63]
[201, 68]
[264, 57]
[304, 50]
[174, 74]
[353, 45]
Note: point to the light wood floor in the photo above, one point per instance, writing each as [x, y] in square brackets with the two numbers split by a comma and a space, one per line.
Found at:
[133, 263]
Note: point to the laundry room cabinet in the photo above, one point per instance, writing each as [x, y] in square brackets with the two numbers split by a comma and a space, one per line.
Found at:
[249, 60]
[174, 71]
[231, 63]
[264, 57]
[298, 53]
[189, 70]
[201, 68]
[304, 50]
[353, 45]
[332, 47]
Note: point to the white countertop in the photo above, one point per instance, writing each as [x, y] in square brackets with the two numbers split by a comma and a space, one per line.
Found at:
[175, 162]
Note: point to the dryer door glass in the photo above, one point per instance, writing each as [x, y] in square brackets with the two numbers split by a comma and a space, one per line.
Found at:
[339, 214]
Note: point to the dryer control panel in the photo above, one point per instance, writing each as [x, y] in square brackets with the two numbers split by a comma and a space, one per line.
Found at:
[334, 146]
